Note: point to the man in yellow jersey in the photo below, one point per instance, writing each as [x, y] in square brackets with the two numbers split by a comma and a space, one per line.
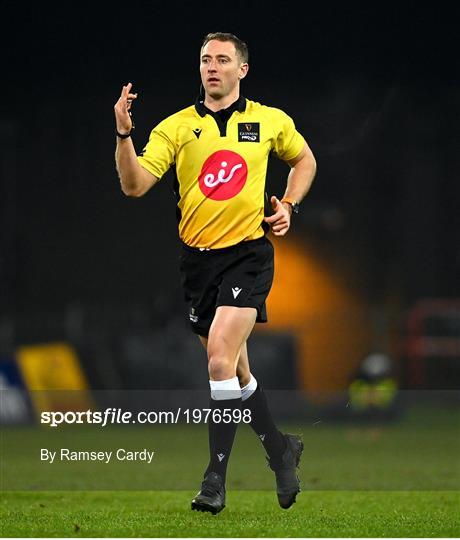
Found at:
[219, 149]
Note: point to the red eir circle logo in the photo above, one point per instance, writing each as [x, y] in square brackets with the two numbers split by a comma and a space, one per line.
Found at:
[223, 175]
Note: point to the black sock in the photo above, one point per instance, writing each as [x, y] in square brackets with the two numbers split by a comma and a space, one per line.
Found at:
[221, 434]
[264, 426]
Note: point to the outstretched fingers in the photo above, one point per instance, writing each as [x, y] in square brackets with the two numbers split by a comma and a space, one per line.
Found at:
[122, 108]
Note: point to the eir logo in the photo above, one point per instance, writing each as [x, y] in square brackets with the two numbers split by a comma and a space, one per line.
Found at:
[223, 175]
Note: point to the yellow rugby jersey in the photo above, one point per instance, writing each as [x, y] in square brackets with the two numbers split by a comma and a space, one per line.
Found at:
[220, 162]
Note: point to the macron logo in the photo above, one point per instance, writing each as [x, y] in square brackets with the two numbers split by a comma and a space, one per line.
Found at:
[236, 291]
[262, 437]
[221, 457]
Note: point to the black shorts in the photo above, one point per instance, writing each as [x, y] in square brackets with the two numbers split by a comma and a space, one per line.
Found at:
[240, 275]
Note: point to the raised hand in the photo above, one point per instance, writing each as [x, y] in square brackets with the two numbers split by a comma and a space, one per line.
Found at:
[122, 110]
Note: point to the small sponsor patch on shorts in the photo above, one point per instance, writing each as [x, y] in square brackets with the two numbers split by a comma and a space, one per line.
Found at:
[193, 316]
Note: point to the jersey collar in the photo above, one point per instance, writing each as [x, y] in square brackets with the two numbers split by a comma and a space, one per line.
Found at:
[238, 105]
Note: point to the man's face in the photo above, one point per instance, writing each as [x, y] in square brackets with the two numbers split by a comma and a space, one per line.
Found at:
[221, 68]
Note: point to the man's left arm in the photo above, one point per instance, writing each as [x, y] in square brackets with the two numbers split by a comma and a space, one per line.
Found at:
[300, 178]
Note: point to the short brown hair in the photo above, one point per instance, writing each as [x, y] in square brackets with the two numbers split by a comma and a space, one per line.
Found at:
[240, 46]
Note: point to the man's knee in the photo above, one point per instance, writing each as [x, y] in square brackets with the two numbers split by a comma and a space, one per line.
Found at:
[220, 367]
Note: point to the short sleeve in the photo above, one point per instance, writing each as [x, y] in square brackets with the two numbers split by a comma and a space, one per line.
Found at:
[288, 141]
[159, 153]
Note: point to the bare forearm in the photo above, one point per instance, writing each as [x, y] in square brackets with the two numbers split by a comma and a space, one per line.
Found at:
[301, 177]
[135, 180]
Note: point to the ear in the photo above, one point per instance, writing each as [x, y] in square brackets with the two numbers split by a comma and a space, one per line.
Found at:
[244, 68]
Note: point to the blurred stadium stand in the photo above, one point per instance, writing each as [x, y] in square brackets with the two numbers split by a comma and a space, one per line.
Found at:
[432, 345]
[122, 347]
[129, 348]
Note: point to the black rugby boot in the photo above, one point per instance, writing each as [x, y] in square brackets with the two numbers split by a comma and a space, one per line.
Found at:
[211, 497]
[287, 481]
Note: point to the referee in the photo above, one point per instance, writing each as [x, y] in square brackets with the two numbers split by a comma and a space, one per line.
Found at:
[219, 149]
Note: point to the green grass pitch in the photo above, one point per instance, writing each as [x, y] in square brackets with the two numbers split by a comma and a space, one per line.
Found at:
[395, 480]
[248, 514]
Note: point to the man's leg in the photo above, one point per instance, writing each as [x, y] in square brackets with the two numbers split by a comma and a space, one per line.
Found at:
[283, 450]
[254, 399]
[229, 330]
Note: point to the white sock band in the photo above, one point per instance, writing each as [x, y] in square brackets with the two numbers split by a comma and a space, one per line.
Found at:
[249, 389]
[228, 389]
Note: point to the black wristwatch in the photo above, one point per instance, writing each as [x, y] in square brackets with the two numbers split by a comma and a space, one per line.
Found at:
[294, 204]
[124, 135]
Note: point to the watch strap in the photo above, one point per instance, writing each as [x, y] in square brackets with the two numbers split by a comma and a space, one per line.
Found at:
[294, 204]
[123, 135]
[289, 201]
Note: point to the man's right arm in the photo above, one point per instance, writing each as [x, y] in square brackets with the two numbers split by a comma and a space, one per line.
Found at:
[135, 180]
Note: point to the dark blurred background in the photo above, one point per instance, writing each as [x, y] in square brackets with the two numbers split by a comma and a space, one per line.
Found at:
[376, 93]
